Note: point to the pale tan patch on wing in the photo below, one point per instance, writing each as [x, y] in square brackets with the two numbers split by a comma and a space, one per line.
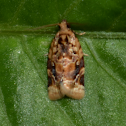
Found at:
[75, 91]
[54, 93]
[82, 71]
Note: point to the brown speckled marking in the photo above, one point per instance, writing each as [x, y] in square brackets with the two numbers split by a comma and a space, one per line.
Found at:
[65, 66]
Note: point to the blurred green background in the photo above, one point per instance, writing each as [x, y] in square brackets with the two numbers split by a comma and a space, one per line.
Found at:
[23, 64]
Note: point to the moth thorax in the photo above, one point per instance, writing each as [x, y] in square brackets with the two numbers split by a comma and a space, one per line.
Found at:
[63, 39]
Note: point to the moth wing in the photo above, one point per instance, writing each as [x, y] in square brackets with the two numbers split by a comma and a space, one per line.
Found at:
[54, 92]
[77, 90]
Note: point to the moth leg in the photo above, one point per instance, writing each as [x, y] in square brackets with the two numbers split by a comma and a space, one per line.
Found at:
[82, 33]
[46, 54]
[85, 54]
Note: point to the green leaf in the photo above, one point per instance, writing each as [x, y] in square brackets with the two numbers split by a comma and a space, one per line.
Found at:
[23, 64]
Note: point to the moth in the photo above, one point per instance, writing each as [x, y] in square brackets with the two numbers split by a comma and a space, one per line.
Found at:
[65, 66]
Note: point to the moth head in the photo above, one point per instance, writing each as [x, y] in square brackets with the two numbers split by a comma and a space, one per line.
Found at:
[63, 25]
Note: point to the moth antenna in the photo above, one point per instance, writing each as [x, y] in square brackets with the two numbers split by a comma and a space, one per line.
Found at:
[41, 27]
[71, 23]
[75, 23]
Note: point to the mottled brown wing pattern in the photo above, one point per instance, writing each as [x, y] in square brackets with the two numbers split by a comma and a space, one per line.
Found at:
[65, 66]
